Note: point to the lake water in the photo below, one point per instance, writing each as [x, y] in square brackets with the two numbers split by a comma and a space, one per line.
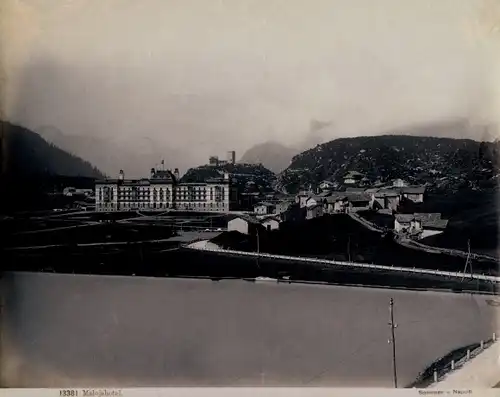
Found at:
[62, 330]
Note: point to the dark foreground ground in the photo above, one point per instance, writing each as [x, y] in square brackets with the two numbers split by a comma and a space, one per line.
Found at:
[132, 244]
[339, 237]
[167, 260]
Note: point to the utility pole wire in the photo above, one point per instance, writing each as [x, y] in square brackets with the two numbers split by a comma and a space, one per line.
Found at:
[393, 342]
[468, 262]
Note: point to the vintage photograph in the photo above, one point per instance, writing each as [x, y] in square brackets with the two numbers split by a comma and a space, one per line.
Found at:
[249, 193]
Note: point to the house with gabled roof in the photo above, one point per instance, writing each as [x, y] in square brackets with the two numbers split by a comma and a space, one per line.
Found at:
[358, 201]
[271, 223]
[407, 224]
[399, 183]
[432, 223]
[282, 206]
[353, 177]
[315, 200]
[413, 193]
[327, 185]
[387, 198]
[301, 199]
[314, 211]
[335, 204]
[245, 224]
[264, 208]
[420, 225]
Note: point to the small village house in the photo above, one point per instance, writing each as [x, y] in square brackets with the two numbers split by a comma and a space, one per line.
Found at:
[353, 177]
[413, 193]
[407, 224]
[301, 199]
[264, 208]
[327, 185]
[387, 198]
[336, 204]
[314, 211]
[282, 206]
[432, 224]
[244, 224]
[399, 183]
[294, 213]
[312, 201]
[358, 202]
[271, 223]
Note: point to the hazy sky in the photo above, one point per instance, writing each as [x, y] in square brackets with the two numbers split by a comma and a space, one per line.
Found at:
[228, 74]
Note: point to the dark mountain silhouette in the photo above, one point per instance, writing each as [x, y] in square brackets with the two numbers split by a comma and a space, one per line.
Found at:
[272, 155]
[29, 154]
[441, 163]
[277, 156]
[32, 167]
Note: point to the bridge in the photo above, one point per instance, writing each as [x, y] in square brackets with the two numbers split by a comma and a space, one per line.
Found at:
[461, 275]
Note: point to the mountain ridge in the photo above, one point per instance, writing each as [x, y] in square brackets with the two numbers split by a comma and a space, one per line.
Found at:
[26, 153]
[278, 156]
[458, 163]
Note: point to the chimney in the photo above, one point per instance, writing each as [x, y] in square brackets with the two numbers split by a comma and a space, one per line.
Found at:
[153, 172]
[176, 173]
[121, 175]
[226, 176]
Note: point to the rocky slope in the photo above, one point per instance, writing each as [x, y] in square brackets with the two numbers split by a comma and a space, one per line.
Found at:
[247, 177]
[441, 163]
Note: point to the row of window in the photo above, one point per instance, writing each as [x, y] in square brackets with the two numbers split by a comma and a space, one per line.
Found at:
[162, 205]
[109, 195]
[146, 200]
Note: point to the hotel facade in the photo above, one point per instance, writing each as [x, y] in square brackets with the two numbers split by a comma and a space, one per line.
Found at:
[163, 191]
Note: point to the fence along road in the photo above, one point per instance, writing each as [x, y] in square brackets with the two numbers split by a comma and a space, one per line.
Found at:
[493, 279]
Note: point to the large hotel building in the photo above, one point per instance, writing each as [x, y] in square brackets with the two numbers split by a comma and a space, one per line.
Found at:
[164, 191]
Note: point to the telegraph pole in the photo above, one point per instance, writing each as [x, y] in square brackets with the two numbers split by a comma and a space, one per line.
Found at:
[349, 246]
[468, 262]
[258, 246]
[393, 342]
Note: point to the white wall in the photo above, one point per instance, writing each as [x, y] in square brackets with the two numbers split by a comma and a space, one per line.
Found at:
[271, 222]
[238, 225]
[311, 202]
[427, 233]
[398, 226]
[260, 209]
[302, 201]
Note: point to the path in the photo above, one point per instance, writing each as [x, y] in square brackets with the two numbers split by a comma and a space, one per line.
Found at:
[202, 245]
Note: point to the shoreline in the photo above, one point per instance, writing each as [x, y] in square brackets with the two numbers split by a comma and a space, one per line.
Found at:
[268, 280]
